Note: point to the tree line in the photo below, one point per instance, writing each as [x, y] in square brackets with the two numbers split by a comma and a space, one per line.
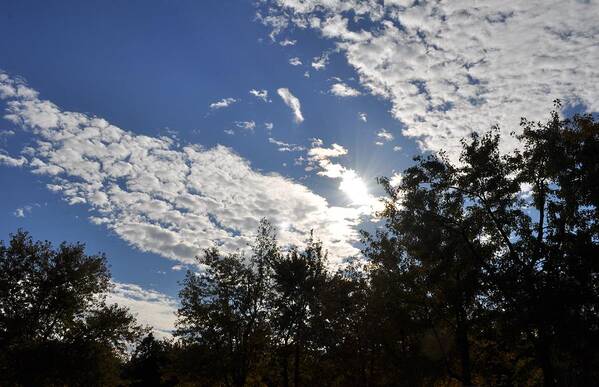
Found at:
[483, 272]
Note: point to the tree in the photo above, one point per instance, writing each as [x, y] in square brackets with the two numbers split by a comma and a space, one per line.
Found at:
[223, 310]
[299, 278]
[499, 252]
[55, 326]
[540, 207]
[427, 247]
[149, 364]
[559, 244]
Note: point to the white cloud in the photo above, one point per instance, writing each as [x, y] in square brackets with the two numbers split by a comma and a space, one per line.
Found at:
[316, 142]
[363, 117]
[149, 306]
[396, 148]
[343, 90]
[319, 153]
[223, 103]
[384, 135]
[291, 101]
[286, 147]
[295, 61]
[320, 62]
[6, 133]
[246, 125]
[11, 161]
[269, 125]
[169, 199]
[276, 22]
[260, 94]
[449, 68]
[22, 212]
[230, 132]
[287, 42]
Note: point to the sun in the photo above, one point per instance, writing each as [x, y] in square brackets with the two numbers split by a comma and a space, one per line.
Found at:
[355, 188]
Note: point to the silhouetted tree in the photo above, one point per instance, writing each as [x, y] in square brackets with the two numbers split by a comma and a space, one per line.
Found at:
[150, 364]
[55, 326]
[298, 280]
[499, 251]
[223, 311]
[557, 245]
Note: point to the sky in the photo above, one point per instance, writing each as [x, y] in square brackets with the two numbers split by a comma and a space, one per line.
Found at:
[151, 130]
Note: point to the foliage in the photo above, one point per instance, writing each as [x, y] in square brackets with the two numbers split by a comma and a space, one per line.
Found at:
[55, 326]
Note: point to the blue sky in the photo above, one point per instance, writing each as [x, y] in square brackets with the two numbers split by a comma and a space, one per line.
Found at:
[376, 84]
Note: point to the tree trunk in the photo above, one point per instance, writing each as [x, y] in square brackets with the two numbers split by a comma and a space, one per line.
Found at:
[285, 363]
[296, 366]
[463, 346]
[544, 356]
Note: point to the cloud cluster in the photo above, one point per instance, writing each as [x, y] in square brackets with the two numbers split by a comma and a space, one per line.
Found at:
[343, 90]
[286, 147]
[321, 156]
[287, 42]
[384, 136]
[452, 67]
[22, 212]
[295, 61]
[293, 103]
[246, 125]
[320, 62]
[223, 103]
[12, 161]
[260, 94]
[162, 197]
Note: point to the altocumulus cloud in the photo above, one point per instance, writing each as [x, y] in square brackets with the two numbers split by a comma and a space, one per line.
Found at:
[384, 135]
[449, 68]
[343, 90]
[12, 161]
[162, 197]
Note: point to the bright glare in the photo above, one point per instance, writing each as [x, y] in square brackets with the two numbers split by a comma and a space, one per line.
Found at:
[355, 188]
